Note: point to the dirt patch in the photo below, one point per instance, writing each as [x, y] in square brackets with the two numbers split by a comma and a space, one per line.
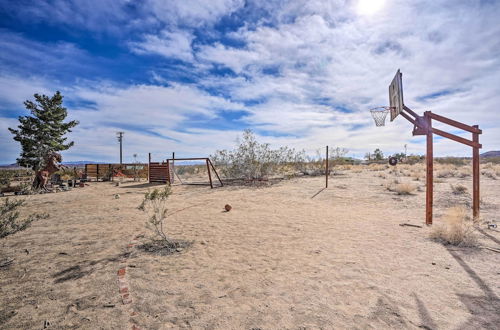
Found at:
[278, 259]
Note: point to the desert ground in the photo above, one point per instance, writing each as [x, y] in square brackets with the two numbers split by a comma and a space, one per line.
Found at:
[291, 255]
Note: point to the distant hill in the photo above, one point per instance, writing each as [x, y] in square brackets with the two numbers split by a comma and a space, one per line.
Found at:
[489, 154]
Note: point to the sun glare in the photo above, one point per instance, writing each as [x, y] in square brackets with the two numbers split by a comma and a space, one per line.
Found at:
[369, 7]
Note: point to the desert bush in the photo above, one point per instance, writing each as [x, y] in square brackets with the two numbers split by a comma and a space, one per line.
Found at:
[405, 188]
[401, 188]
[9, 217]
[253, 160]
[155, 205]
[187, 169]
[357, 169]
[377, 167]
[493, 160]
[417, 175]
[6, 177]
[457, 161]
[445, 174]
[414, 159]
[455, 228]
[489, 174]
[458, 189]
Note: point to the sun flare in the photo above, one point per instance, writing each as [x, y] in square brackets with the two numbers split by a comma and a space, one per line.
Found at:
[369, 7]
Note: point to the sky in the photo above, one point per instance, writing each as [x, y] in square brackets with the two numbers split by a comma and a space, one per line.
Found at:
[189, 76]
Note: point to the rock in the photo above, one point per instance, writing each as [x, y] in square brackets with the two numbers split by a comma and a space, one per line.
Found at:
[228, 207]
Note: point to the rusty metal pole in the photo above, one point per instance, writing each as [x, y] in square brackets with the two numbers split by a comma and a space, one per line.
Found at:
[149, 168]
[326, 171]
[209, 175]
[215, 171]
[430, 174]
[173, 167]
[475, 177]
[167, 177]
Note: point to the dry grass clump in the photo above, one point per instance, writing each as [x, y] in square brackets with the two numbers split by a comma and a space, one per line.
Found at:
[458, 189]
[489, 174]
[356, 169]
[445, 174]
[405, 188]
[417, 175]
[455, 228]
[401, 188]
[377, 167]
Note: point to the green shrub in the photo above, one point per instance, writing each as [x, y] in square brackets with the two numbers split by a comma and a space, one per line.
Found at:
[9, 217]
[155, 205]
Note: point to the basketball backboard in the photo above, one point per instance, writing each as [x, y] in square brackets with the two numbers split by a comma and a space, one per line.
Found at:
[396, 95]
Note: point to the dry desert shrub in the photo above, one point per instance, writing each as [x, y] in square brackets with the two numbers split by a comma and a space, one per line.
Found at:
[377, 167]
[401, 188]
[405, 188]
[445, 174]
[489, 174]
[253, 160]
[417, 175]
[463, 173]
[458, 189]
[455, 228]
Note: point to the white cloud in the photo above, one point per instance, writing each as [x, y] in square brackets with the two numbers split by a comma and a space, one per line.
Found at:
[172, 44]
[192, 12]
[303, 64]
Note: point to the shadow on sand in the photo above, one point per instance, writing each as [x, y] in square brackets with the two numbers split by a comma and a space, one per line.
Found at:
[143, 185]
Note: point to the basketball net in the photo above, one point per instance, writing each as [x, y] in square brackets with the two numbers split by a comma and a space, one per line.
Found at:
[379, 114]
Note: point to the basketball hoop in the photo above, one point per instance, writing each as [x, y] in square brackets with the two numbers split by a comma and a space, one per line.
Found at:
[379, 114]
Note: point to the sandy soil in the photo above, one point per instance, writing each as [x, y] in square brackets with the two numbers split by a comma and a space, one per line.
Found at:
[280, 259]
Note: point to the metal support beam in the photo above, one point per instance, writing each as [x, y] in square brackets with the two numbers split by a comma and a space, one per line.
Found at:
[215, 171]
[475, 176]
[430, 173]
[472, 129]
[209, 174]
[326, 169]
[457, 138]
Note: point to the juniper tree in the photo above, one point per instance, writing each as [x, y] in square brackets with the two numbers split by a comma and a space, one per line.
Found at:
[43, 131]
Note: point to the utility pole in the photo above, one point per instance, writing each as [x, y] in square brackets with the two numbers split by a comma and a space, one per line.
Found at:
[119, 135]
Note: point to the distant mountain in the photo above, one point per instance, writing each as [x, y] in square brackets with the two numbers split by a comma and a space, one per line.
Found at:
[9, 165]
[489, 154]
[82, 162]
[74, 163]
